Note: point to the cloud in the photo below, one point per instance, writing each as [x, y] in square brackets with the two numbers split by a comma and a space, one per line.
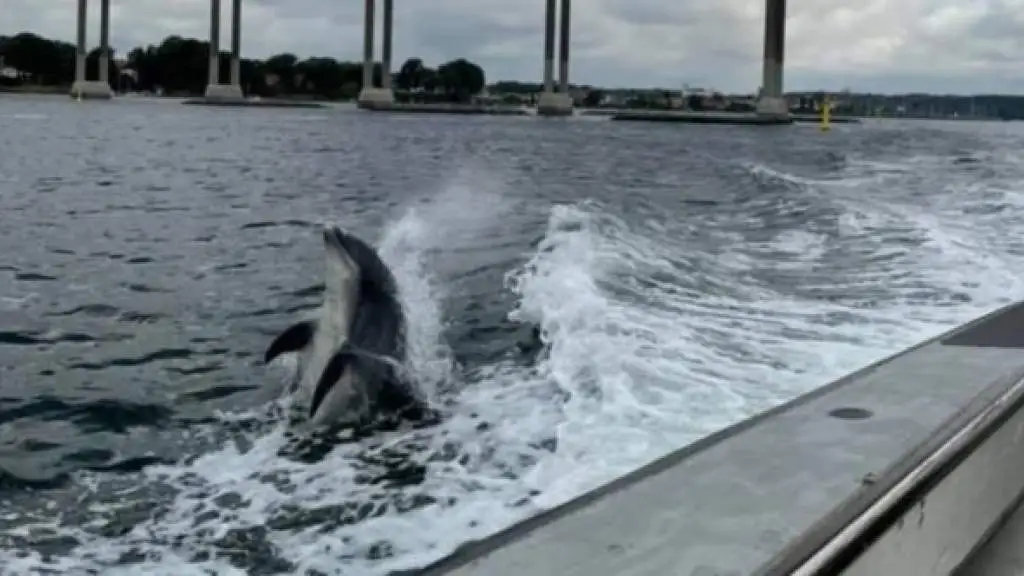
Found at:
[884, 45]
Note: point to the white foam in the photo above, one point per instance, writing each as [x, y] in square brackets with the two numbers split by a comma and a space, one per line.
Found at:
[642, 360]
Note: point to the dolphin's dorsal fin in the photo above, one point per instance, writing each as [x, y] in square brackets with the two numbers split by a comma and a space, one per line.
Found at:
[295, 338]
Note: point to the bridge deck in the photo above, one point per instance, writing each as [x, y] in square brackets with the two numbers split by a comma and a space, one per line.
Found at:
[728, 504]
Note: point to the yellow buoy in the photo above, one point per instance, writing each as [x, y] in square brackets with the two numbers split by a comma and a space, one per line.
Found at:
[826, 115]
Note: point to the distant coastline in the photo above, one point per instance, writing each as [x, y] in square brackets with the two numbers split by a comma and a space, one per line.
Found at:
[177, 68]
[62, 90]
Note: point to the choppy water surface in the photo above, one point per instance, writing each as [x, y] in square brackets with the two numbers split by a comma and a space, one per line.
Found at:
[684, 277]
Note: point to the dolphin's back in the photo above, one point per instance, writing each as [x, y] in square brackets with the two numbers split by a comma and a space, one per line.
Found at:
[376, 276]
[379, 327]
[378, 324]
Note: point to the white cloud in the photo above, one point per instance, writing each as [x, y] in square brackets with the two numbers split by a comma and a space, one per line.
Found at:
[890, 45]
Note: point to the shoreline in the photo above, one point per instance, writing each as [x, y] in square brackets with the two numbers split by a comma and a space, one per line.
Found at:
[313, 102]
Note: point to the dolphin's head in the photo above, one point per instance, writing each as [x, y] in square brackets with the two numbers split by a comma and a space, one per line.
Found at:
[342, 272]
[334, 239]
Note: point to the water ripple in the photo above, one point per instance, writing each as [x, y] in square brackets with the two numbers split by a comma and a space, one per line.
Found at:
[682, 279]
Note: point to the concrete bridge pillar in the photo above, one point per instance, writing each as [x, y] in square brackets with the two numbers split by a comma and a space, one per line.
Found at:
[771, 102]
[236, 43]
[214, 56]
[563, 47]
[551, 103]
[385, 51]
[214, 89]
[368, 7]
[549, 45]
[371, 97]
[83, 88]
[104, 60]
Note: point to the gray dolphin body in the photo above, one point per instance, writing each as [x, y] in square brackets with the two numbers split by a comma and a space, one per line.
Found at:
[351, 355]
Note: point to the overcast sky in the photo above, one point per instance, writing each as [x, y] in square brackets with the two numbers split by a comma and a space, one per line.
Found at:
[962, 46]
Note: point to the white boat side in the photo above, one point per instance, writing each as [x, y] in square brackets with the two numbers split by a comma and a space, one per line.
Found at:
[908, 467]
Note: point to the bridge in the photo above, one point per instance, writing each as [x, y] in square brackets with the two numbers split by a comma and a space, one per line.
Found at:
[554, 100]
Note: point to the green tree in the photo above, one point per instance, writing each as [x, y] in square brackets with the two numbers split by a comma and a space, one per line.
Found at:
[461, 79]
[283, 67]
[46, 61]
[178, 66]
[517, 87]
[593, 99]
[430, 79]
[411, 74]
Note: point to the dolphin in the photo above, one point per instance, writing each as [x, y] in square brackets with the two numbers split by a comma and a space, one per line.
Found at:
[352, 353]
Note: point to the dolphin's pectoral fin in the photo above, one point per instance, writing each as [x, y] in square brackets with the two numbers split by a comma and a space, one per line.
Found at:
[296, 337]
[329, 377]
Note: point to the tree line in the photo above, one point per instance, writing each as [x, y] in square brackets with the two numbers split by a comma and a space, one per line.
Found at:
[179, 66]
